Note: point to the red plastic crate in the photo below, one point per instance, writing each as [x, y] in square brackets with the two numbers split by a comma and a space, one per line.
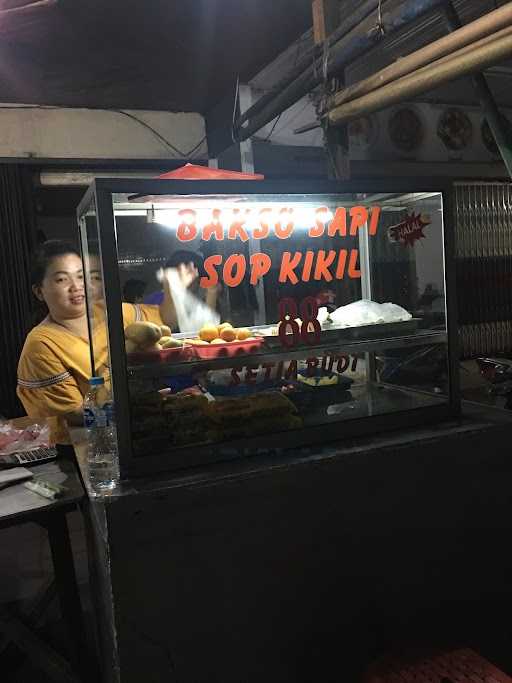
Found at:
[457, 666]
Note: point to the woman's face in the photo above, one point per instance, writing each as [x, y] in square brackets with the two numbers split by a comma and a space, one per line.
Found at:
[62, 288]
[95, 282]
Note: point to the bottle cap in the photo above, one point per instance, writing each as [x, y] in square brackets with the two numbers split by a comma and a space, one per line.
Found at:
[96, 381]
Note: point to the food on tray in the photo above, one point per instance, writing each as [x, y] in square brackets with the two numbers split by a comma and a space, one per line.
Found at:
[224, 333]
[148, 337]
[256, 414]
[178, 419]
[130, 346]
[267, 403]
[143, 333]
[171, 343]
[196, 341]
[228, 334]
[180, 408]
[243, 333]
[190, 418]
[319, 380]
[208, 333]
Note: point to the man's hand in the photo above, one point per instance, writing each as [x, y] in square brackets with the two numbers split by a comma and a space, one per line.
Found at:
[186, 273]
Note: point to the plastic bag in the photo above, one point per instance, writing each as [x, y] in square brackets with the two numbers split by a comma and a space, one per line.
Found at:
[323, 315]
[365, 312]
[29, 438]
[191, 312]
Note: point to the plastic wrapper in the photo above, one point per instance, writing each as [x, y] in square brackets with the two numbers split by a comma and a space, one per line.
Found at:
[365, 312]
[33, 436]
[323, 315]
[191, 312]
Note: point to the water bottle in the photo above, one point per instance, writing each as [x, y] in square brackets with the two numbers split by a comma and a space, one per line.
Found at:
[110, 416]
[102, 457]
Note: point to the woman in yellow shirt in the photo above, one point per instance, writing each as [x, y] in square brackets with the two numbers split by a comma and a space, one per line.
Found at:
[55, 363]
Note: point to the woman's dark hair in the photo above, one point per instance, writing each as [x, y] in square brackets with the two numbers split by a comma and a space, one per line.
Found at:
[186, 256]
[45, 255]
[133, 290]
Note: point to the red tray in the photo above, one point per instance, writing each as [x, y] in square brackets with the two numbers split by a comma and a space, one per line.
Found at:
[227, 350]
[164, 356]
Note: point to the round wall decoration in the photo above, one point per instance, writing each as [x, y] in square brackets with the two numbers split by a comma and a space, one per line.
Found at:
[406, 129]
[362, 132]
[488, 137]
[455, 129]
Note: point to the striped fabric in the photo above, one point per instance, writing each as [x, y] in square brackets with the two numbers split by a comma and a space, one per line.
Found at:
[40, 383]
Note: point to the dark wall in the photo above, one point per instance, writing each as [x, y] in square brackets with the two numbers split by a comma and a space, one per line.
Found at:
[55, 211]
[16, 300]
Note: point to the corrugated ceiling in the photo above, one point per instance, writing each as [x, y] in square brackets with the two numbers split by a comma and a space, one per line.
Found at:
[141, 54]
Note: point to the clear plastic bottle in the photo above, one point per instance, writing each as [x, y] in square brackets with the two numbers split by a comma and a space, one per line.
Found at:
[102, 456]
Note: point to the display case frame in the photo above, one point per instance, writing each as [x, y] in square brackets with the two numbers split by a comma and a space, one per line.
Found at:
[100, 192]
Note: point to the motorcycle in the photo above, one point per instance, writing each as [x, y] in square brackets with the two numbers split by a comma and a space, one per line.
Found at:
[498, 372]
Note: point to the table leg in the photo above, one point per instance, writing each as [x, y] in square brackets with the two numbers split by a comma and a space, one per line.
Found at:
[67, 588]
[40, 654]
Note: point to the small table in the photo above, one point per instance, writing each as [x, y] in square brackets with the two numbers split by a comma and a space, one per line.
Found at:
[19, 505]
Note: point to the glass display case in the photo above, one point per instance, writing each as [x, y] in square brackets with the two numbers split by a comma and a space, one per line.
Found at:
[246, 317]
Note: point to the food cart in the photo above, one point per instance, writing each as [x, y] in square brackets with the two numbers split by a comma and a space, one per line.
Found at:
[294, 460]
[317, 334]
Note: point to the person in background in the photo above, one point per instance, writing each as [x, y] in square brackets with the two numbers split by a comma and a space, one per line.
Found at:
[55, 363]
[133, 291]
[190, 268]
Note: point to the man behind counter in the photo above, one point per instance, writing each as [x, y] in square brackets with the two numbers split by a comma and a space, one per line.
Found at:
[189, 265]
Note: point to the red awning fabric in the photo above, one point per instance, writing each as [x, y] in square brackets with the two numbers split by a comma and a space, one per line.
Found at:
[194, 172]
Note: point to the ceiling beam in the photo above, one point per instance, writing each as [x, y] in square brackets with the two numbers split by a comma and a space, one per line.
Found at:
[326, 17]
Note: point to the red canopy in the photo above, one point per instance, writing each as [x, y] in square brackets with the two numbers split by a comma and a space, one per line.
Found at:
[194, 172]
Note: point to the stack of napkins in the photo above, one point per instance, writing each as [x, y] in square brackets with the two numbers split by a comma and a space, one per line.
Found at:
[14, 476]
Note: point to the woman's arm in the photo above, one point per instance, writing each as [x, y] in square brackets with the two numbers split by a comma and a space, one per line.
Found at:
[45, 386]
[75, 418]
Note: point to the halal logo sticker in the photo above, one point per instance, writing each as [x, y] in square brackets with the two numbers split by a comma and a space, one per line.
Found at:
[410, 230]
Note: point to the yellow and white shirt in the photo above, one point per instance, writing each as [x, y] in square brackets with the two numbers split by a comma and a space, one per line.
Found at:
[55, 366]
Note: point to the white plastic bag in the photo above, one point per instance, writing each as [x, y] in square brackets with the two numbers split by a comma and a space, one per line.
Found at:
[323, 315]
[365, 312]
[392, 313]
[191, 312]
[29, 438]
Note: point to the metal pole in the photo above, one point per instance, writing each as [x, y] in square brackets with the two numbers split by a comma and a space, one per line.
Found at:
[485, 96]
[461, 36]
[351, 49]
[483, 54]
[254, 245]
